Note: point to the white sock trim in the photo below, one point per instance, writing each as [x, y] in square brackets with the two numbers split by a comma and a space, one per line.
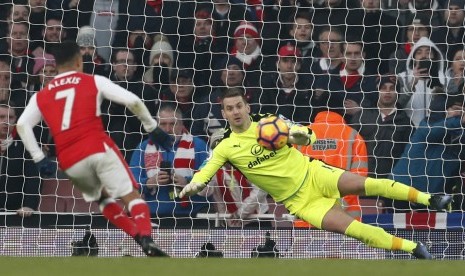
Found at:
[105, 202]
[135, 202]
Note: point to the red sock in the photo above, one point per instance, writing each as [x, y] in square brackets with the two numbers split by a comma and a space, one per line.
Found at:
[115, 214]
[140, 214]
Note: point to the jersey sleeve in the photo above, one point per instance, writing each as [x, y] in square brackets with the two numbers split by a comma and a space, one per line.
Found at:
[117, 94]
[213, 164]
[30, 117]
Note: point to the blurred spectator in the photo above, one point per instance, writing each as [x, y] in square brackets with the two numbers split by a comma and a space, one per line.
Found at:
[287, 92]
[18, 49]
[256, 7]
[207, 117]
[330, 46]
[301, 32]
[140, 41]
[11, 12]
[334, 14]
[18, 11]
[161, 62]
[427, 8]
[350, 85]
[105, 20]
[277, 16]
[397, 9]
[181, 93]
[433, 157]
[341, 146]
[451, 37]
[19, 178]
[37, 18]
[425, 71]
[171, 18]
[386, 129]
[93, 62]
[233, 194]
[247, 49]
[111, 20]
[44, 70]
[200, 50]
[378, 31]
[52, 34]
[417, 28]
[10, 89]
[226, 19]
[123, 126]
[456, 73]
[162, 174]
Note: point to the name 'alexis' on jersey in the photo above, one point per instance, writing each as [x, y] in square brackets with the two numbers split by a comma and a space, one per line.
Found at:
[63, 81]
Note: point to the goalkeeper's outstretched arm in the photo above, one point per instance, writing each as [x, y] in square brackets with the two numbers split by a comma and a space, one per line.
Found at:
[298, 134]
[301, 135]
[206, 172]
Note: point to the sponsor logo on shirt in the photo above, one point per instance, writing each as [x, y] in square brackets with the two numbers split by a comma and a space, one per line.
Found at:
[261, 157]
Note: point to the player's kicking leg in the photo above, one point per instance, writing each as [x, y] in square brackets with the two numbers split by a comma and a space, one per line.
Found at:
[141, 216]
[118, 182]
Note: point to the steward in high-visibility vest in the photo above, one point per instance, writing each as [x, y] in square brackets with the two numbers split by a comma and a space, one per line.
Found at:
[341, 146]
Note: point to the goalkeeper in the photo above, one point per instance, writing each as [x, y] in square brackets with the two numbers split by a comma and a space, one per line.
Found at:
[307, 187]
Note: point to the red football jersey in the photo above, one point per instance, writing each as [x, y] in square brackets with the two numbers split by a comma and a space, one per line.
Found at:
[70, 105]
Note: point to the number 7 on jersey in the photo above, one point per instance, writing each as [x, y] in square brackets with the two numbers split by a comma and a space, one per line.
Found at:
[67, 94]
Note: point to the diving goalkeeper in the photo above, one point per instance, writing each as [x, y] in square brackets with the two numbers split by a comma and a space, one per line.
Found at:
[307, 187]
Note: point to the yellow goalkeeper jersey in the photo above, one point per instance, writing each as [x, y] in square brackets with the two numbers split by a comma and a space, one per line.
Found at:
[280, 172]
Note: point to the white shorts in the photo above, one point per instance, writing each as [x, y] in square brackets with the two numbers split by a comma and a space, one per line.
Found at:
[102, 170]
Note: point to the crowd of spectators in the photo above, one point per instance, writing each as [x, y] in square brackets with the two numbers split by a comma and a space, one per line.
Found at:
[389, 68]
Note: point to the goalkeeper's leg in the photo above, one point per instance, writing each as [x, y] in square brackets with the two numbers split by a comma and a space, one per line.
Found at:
[353, 184]
[336, 220]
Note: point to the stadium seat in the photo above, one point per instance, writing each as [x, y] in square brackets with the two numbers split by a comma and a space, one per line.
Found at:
[61, 196]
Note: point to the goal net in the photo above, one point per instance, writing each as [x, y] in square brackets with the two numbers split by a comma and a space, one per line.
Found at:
[381, 83]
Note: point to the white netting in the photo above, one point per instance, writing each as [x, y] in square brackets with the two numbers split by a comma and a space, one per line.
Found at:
[293, 57]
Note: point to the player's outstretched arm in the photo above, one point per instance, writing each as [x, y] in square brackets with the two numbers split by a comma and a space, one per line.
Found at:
[192, 189]
[298, 134]
[117, 94]
[301, 135]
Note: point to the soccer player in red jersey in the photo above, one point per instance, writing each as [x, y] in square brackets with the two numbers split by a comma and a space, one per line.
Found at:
[70, 105]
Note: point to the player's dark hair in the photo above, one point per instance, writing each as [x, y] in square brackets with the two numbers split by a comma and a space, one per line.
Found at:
[231, 93]
[66, 52]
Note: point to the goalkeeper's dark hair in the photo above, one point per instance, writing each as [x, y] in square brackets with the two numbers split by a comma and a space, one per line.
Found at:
[66, 52]
[231, 93]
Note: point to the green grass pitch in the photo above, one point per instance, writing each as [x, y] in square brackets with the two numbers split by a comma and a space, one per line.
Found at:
[221, 267]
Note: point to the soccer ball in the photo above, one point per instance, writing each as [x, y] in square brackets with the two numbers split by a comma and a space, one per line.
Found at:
[272, 133]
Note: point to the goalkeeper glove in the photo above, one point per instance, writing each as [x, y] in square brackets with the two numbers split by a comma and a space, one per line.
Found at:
[46, 167]
[161, 138]
[191, 189]
[301, 135]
